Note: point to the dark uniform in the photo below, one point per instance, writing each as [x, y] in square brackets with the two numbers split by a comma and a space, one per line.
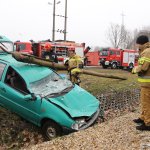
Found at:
[53, 56]
[49, 53]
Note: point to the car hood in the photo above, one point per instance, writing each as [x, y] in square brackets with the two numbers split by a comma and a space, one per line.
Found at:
[77, 102]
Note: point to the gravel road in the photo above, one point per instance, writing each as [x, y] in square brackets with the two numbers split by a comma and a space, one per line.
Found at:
[114, 134]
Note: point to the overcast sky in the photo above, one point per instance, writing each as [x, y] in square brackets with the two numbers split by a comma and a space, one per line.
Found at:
[88, 20]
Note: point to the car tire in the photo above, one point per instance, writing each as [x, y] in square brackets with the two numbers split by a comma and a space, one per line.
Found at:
[51, 130]
[114, 66]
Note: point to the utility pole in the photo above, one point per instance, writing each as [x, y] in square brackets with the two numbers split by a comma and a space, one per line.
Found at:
[122, 15]
[65, 23]
[122, 38]
[53, 31]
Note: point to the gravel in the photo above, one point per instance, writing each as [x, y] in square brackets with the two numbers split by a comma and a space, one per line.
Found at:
[114, 134]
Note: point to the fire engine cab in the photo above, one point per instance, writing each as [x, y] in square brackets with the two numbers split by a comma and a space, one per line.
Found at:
[118, 58]
[23, 47]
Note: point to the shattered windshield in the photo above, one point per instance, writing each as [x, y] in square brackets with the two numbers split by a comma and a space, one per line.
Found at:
[51, 85]
[6, 45]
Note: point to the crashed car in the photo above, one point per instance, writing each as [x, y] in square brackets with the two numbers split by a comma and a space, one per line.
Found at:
[43, 97]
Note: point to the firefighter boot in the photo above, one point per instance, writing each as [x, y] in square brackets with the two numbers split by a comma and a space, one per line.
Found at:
[143, 127]
[138, 120]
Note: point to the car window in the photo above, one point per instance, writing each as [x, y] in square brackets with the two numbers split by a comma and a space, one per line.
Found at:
[14, 80]
[21, 47]
[2, 66]
[7, 45]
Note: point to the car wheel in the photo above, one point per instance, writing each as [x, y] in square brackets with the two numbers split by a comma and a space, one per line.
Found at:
[114, 66]
[51, 130]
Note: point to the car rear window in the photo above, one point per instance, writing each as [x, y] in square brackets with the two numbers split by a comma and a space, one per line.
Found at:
[2, 66]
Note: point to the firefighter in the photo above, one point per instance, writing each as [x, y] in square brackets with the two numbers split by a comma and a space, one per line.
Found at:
[49, 53]
[143, 71]
[74, 66]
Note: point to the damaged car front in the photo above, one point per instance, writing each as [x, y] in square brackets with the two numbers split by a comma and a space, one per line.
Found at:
[79, 105]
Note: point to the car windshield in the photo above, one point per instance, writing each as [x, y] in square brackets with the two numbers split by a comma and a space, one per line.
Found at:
[51, 85]
[7, 45]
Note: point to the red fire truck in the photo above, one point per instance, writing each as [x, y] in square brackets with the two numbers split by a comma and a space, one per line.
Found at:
[60, 47]
[24, 47]
[118, 58]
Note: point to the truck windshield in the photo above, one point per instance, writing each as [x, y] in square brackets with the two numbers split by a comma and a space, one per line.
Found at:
[6, 45]
[53, 84]
[104, 53]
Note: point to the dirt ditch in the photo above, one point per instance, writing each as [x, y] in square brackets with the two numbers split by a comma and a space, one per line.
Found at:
[16, 133]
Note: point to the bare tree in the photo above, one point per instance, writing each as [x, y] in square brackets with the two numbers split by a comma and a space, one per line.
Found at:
[119, 36]
[113, 35]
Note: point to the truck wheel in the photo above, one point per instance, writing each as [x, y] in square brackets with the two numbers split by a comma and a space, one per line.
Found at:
[114, 66]
[104, 67]
[51, 130]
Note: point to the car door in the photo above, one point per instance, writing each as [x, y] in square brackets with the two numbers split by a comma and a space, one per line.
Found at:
[20, 101]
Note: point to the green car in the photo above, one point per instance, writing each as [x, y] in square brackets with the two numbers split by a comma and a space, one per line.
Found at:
[43, 97]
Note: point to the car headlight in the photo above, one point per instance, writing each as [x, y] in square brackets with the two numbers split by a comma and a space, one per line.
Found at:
[78, 124]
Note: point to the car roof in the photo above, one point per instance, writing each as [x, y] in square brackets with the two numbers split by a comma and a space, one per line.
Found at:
[29, 72]
[4, 39]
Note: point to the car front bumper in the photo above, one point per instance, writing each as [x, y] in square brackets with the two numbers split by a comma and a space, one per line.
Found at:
[85, 123]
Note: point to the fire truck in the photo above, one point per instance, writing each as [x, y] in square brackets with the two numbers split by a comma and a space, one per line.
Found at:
[23, 47]
[118, 58]
[61, 48]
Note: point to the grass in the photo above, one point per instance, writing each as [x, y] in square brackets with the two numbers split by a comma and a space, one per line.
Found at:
[98, 85]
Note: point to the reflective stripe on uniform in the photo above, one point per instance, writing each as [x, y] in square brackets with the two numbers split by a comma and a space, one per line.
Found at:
[143, 59]
[144, 79]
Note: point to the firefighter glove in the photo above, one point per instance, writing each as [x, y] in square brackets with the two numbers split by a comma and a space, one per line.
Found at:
[134, 70]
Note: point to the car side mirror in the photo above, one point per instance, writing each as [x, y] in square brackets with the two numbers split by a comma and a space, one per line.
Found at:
[33, 96]
[30, 97]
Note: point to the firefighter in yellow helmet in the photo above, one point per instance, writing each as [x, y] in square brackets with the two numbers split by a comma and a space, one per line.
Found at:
[143, 71]
[74, 65]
